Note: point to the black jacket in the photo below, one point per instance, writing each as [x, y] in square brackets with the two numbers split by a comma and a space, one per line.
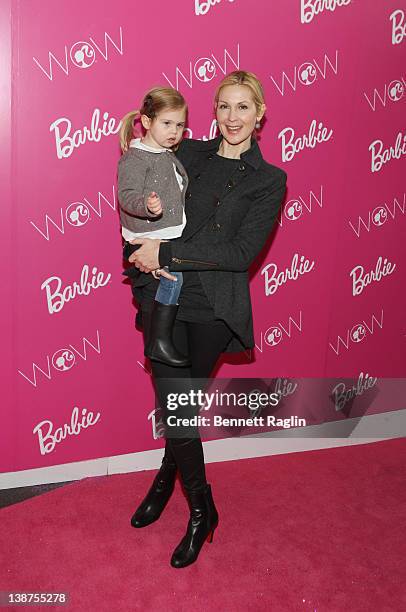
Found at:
[223, 241]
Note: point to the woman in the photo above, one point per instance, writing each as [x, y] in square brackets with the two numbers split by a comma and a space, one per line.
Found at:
[231, 205]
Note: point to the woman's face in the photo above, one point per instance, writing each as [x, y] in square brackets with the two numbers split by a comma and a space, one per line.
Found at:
[236, 114]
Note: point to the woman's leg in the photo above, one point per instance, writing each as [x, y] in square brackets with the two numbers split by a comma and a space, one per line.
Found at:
[206, 343]
[162, 370]
[162, 487]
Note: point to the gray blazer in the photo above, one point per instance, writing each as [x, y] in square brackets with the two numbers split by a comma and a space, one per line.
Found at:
[139, 173]
[223, 241]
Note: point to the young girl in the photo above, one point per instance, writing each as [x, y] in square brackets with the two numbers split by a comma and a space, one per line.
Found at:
[152, 184]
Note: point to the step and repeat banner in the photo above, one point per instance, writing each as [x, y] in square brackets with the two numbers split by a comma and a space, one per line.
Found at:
[328, 293]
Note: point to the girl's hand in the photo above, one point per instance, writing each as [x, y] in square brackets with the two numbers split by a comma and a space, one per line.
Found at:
[146, 258]
[154, 204]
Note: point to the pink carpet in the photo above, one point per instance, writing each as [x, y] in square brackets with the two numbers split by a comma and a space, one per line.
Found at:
[321, 530]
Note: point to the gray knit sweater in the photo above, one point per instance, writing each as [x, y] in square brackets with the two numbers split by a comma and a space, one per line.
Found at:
[141, 172]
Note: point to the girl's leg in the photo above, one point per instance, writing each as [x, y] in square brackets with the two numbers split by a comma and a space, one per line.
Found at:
[160, 346]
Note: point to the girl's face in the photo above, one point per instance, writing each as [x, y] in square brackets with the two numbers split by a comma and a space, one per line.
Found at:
[237, 114]
[166, 129]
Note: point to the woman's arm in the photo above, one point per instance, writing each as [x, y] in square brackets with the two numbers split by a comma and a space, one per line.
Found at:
[132, 176]
[235, 255]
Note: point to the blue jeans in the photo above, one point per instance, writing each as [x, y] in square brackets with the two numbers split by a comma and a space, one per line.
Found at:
[169, 290]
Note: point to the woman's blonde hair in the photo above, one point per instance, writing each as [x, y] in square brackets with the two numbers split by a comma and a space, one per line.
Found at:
[242, 77]
[155, 101]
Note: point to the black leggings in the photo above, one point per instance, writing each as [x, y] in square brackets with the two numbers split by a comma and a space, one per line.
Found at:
[203, 343]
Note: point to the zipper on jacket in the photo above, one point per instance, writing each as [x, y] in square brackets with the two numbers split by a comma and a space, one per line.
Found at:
[210, 263]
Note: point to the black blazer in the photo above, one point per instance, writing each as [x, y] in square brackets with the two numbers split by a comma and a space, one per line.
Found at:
[223, 241]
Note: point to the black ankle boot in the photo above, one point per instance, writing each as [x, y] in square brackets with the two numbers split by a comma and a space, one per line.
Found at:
[202, 523]
[157, 497]
[160, 346]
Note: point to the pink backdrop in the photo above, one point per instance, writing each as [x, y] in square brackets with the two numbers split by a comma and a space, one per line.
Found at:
[332, 70]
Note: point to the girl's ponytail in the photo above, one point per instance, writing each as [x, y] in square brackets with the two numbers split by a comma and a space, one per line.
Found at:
[126, 133]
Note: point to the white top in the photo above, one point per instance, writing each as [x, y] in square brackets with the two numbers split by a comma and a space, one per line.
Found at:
[167, 232]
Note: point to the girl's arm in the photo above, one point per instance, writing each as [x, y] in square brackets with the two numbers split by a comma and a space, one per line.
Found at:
[131, 180]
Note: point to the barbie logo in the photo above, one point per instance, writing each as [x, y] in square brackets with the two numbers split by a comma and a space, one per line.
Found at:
[202, 8]
[311, 8]
[306, 74]
[398, 26]
[396, 90]
[381, 155]
[63, 360]
[205, 69]
[292, 144]
[342, 394]
[66, 142]
[294, 209]
[357, 333]
[273, 336]
[57, 298]
[77, 214]
[277, 332]
[392, 93]
[380, 215]
[82, 54]
[48, 438]
[274, 279]
[360, 279]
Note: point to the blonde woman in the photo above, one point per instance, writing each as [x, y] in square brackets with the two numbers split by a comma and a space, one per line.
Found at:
[232, 201]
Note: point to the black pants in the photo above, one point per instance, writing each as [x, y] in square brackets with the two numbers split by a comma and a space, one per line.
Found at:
[203, 343]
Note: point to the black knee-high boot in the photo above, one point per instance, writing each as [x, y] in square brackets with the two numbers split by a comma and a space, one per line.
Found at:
[203, 513]
[159, 493]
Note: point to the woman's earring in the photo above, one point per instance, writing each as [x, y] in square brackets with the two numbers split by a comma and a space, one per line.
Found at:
[257, 125]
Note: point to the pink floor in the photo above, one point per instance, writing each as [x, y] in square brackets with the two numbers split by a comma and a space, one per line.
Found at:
[321, 530]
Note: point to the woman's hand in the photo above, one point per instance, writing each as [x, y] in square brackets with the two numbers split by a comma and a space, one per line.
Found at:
[146, 258]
